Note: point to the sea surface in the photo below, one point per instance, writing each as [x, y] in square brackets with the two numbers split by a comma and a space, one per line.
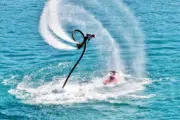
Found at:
[138, 38]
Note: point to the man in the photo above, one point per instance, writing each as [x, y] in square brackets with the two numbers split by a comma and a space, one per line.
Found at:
[112, 79]
[87, 37]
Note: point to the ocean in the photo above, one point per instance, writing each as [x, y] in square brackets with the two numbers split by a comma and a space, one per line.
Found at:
[139, 39]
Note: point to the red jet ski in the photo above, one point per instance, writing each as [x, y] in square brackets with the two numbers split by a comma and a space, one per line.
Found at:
[113, 78]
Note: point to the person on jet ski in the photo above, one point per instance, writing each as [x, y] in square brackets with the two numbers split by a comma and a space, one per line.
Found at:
[113, 78]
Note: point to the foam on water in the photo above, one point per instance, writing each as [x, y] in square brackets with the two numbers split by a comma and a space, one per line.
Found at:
[51, 92]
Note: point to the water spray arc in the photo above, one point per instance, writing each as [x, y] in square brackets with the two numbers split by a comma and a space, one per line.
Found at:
[79, 46]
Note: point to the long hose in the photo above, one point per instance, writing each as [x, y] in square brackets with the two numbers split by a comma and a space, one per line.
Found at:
[81, 44]
[75, 65]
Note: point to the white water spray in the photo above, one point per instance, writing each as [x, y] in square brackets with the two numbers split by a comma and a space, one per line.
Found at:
[57, 13]
[54, 22]
[78, 16]
[126, 29]
[135, 37]
[46, 33]
[74, 93]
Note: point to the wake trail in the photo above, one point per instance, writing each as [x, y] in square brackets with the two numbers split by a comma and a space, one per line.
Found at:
[54, 23]
[46, 33]
[135, 37]
[50, 93]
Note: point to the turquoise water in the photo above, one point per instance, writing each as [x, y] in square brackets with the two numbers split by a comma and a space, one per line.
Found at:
[140, 39]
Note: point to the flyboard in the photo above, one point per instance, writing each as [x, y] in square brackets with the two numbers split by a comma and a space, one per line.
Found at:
[79, 46]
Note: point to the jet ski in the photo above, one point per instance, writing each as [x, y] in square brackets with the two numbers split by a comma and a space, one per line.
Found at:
[112, 78]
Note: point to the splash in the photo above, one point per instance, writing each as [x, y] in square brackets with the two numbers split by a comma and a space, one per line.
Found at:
[126, 29]
[74, 93]
[74, 15]
[133, 34]
[57, 14]
[67, 14]
[49, 18]
[54, 22]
